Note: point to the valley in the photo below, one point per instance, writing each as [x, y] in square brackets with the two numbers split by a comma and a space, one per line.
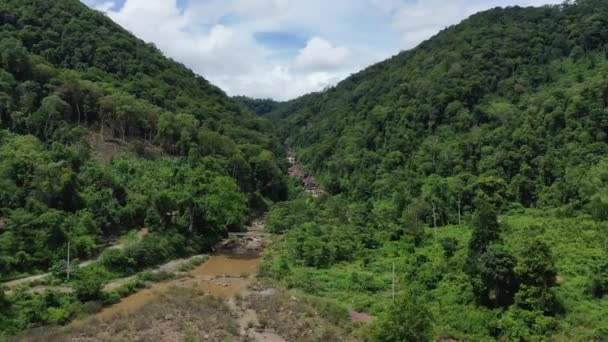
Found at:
[456, 191]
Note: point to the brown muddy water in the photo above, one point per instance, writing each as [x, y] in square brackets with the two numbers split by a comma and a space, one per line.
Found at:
[225, 275]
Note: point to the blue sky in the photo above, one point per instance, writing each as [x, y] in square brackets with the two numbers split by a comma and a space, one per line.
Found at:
[282, 49]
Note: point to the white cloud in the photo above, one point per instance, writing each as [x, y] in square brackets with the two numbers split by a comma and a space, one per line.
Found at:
[262, 7]
[216, 38]
[105, 6]
[319, 54]
[419, 20]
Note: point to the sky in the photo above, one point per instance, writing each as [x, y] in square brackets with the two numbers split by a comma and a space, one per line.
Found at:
[282, 49]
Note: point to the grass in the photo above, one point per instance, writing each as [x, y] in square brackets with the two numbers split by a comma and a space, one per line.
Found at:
[180, 315]
[193, 263]
[366, 286]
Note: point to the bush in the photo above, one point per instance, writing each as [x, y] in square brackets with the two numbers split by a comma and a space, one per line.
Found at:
[450, 246]
[522, 325]
[279, 268]
[405, 320]
[116, 259]
[330, 310]
[129, 288]
[57, 315]
[155, 276]
[112, 298]
[155, 249]
[192, 263]
[598, 286]
[89, 282]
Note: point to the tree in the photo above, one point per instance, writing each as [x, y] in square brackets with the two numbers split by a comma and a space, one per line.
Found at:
[14, 57]
[456, 187]
[6, 103]
[486, 229]
[405, 320]
[493, 190]
[51, 111]
[223, 203]
[537, 275]
[598, 285]
[537, 265]
[450, 246]
[594, 190]
[435, 192]
[498, 279]
[411, 220]
[89, 282]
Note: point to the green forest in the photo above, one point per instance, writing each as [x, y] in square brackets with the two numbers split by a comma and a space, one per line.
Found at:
[466, 179]
[184, 160]
[475, 164]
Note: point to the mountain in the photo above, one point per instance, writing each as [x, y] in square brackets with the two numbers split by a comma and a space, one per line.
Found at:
[101, 135]
[469, 164]
[258, 106]
[465, 181]
[518, 94]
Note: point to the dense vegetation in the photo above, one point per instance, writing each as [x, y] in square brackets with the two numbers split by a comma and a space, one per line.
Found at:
[258, 106]
[184, 160]
[476, 164]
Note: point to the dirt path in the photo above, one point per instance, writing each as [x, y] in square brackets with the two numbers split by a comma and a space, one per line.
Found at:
[30, 279]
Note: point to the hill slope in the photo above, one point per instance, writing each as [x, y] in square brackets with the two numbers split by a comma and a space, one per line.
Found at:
[517, 94]
[468, 164]
[72, 81]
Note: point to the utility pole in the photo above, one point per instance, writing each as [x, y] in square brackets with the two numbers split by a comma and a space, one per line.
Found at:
[393, 282]
[68, 268]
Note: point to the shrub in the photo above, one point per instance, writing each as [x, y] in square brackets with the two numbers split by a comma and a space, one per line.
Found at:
[116, 259]
[521, 325]
[57, 316]
[112, 298]
[330, 310]
[405, 320]
[192, 263]
[450, 246]
[155, 276]
[598, 286]
[89, 282]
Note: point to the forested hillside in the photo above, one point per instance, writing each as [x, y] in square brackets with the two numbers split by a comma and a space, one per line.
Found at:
[100, 134]
[475, 164]
[466, 179]
[517, 95]
[258, 106]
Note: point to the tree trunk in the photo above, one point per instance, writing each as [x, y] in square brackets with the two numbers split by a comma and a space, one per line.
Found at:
[191, 218]
[459, 221]
[78, 111]
[434, 214]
